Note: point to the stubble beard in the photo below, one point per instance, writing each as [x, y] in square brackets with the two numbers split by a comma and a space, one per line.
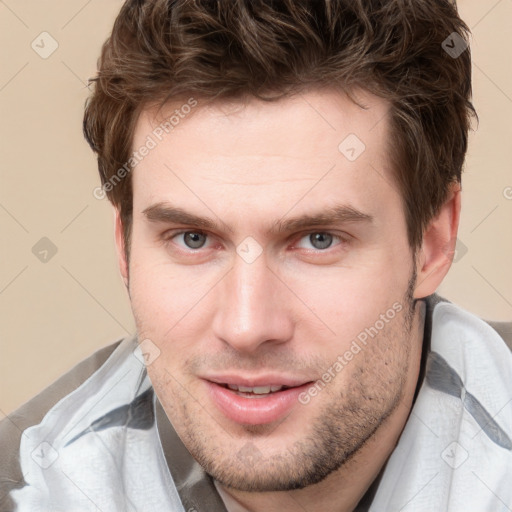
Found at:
[349, 418]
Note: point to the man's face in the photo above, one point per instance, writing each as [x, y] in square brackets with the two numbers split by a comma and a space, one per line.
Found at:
[257, 299]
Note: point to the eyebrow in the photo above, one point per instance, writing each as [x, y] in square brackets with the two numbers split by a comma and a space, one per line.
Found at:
[166, 213]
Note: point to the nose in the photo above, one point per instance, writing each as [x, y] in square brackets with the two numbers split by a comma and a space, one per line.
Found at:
[253, 308]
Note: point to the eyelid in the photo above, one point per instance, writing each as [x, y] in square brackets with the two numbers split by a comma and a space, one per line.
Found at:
[344, 238]
[170, 234]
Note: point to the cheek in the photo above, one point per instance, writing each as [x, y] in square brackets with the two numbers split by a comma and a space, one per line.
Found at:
[152, 300]
[173, 309]
[163, 293]
[344, 301]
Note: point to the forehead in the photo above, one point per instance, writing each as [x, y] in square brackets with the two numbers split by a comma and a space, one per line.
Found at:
[315, 147]
[300, 125]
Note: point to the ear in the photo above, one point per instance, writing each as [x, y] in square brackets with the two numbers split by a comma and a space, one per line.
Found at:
[120, 246]
[435, 257]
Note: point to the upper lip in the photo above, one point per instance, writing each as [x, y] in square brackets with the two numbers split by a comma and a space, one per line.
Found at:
[262, 380]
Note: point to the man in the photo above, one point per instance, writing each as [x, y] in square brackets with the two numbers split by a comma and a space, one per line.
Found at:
[286, 179]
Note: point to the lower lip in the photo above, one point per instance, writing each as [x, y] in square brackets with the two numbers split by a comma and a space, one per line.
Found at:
[258, 410]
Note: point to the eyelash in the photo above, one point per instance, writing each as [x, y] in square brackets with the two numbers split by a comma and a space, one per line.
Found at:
[343, 240]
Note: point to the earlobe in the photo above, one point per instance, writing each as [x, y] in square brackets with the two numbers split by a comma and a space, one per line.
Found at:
[438, 246]
[120, 246]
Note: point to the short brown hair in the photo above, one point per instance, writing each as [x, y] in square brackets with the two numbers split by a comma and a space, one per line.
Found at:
[160, 50]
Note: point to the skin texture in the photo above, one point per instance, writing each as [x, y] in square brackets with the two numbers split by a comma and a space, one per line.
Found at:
[294, 309]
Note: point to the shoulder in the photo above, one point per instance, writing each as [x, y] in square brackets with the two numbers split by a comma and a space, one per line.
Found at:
[13, 426]
[503, 329]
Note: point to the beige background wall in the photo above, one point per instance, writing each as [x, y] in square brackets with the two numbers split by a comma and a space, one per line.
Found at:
[56, 312]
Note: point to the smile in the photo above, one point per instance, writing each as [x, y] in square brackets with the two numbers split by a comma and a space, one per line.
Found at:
[255, 404]
[254, 392]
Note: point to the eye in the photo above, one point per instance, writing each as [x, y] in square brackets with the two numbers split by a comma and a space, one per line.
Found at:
[191, 239]
[320, 240]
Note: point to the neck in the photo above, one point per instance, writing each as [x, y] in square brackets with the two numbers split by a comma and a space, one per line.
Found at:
[343, 489]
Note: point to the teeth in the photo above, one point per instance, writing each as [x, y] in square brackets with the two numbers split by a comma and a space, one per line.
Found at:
[261, 390]
[245, 389]
[257, 390]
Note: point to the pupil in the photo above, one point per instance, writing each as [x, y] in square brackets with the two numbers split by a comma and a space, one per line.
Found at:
[194, 240]
[320, 240]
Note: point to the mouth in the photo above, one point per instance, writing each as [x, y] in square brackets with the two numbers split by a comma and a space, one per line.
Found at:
[256, 391]
[251, 403]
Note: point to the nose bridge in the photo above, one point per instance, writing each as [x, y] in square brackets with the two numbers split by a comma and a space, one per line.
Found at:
[251, 309]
